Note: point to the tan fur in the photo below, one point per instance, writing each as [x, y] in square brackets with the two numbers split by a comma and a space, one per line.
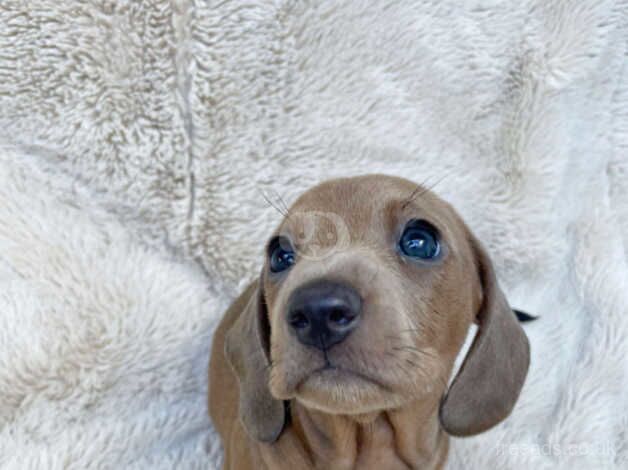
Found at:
[386, 405]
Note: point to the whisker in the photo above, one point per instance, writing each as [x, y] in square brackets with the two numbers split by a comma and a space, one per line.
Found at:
[280, 206]
[409, 330]
[422, 189]
[403, 368]
[406, 348]
[412, 363]
[282, 202]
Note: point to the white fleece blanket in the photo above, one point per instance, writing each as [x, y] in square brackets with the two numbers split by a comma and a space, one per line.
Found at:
[137, 137]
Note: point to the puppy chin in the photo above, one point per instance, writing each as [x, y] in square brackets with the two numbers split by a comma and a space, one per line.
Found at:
[359, 402]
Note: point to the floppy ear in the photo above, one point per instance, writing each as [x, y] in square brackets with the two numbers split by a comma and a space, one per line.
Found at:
[491, 377]
[247, 349]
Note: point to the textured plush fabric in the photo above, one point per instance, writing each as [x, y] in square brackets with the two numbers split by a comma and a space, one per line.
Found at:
[139, 138]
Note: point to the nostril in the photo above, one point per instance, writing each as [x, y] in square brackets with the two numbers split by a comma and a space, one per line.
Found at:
[299, 320]
[340, 317]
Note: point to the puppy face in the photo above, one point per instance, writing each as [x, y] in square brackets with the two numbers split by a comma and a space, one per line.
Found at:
[370, 285]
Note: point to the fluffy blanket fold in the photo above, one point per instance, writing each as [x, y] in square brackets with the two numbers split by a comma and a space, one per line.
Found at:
[137, 138]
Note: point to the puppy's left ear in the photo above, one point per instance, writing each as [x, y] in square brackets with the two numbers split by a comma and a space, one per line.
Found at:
[247, 348]
[491, 377]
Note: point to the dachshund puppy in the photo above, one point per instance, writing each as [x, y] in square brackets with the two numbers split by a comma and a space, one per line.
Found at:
[339, 356]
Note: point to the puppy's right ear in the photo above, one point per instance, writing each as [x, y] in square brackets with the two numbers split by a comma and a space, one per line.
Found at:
[247, 349]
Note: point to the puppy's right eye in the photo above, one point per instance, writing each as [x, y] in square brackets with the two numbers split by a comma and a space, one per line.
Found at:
[281, 254]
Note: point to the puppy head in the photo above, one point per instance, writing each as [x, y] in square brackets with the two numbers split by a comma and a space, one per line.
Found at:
[369, 287]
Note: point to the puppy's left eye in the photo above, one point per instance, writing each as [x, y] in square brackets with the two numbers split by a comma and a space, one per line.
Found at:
[281, 255]
[419, 240]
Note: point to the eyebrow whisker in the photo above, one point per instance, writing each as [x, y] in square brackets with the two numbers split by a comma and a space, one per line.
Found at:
[279, 204]
[282, 202]
[421, 189]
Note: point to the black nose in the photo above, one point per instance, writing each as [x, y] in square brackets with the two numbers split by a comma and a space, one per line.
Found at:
[323, 313]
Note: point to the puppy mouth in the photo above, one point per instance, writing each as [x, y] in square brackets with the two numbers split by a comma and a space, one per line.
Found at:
[330, 375]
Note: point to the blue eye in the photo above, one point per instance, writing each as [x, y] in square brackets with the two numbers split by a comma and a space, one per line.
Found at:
[419, 240]
[281, 255]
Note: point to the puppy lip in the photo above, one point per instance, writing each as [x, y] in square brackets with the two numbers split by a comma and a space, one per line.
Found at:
[343, 373]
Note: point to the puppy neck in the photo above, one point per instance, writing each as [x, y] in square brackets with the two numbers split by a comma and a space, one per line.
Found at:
[404, 438]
